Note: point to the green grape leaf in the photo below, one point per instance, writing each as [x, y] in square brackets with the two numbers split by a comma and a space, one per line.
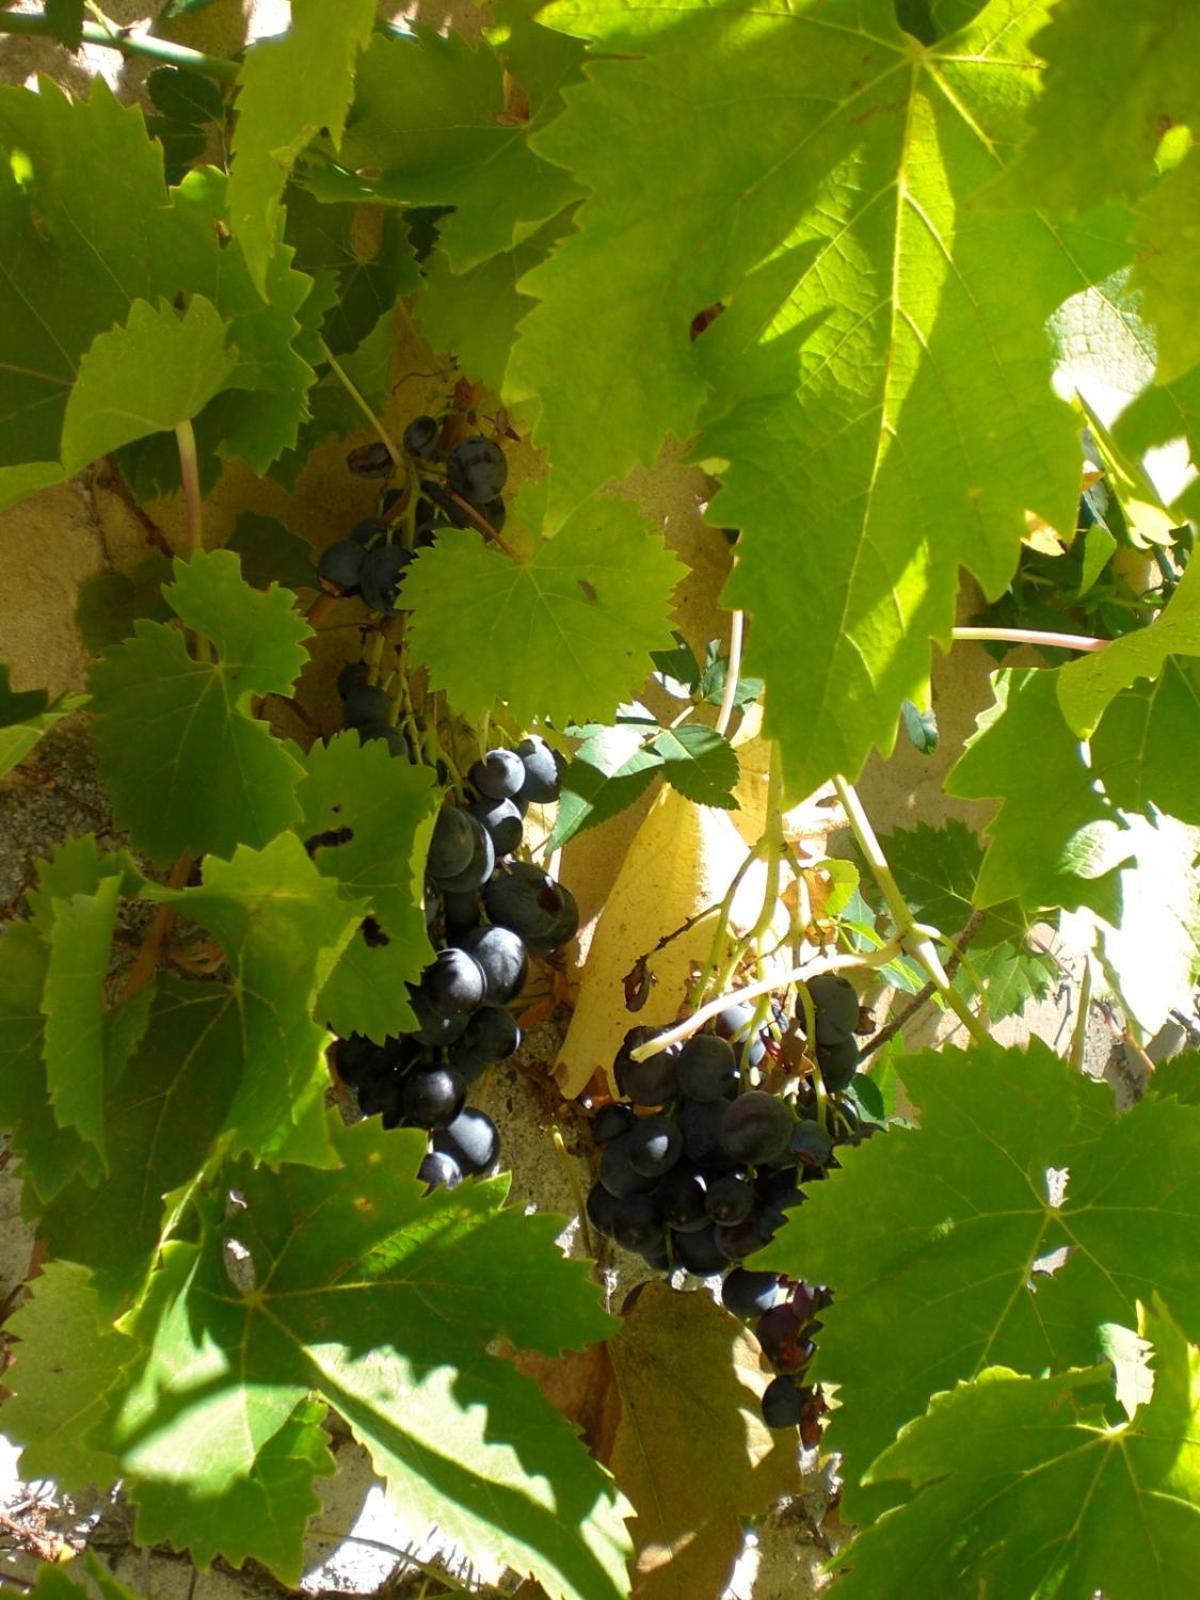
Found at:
[1159, 416]
[186, 96]
[367, 817]
[263, 1514]
[607, 774]
[62, 1583]
[1054, 841]
[566, 634]
[1087, 685]
[25, 717]
[66, 21]
[289, 88]
[165, 1113]
[283, 927]
[73, 173]
[475, 313]
[700, 764]
[431, 125]
[201, 775]
[108, 604]
[847, 307]
[68, 1361]
[271, 553]
[1043, 1495]
[352, 1288]
[1144, 751]
[366, 253]
[73, 1004]
[1164, 268]
[1008, 976]
[1180, 1076]
[1096, 131]
[956, 1212]
[147, 375]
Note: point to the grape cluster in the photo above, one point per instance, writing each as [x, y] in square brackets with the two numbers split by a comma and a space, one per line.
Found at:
[486, 912]
[465, 478]
[699, 1168]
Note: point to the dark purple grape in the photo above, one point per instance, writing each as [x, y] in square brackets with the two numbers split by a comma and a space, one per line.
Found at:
[616, 1173]
[495, 514]
[452, 844]
[835, 1002]
[433, 1096]
[708, 1068]
[478, 869]
[810, 1144]
[476, 468]
[783, 1403]
[838, 1064]
[735, 1023]
[543, 771]
[741, 1239]
[533, 905]
[439, 1171]
[339, 568]
[652, 1082]
[681, 1196]
[699, 1251]
[636, 1222]
[369, 532]
[749, 1294]
[700, 1123]
[421, 435]
[357, 1058]
[372, 460]
[460, 915]
[351, 675]
[492, 1035]
[730, 1199]
[608, 1122]
[382, 570]
[655, 1145]
[366, 703]
[435, 1026]
[601, 1209]
[755, 1128]
[471, 1140]
[501, 954]
[499, 776]
[503, 822]
[453, 981]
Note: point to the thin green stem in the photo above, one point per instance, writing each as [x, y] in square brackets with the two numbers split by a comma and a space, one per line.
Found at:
[36, 23]
[189, 471]
[914, 940]
[351, 389]
[733, 667]
[1039, 636]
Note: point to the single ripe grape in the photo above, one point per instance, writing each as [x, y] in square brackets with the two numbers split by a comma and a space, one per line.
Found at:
[755, 1128]
[382, 569]
[699, 1252]
[503, 822]
[530, 903]
[491, 1035]
[439, 1171]
[708, 1068]
[748, 1294]
[730, 1199]
[339, 569]
[476, 469]
[472, 1140]
[499, 775]
[366, 703]
[835, 1002]
[682, 1194]
[372, 460]
[655, 1145]
[433, 1097]
[478, 869]
[452, 844]
[453, 981]
[838, 1064]
[601, 1209]
[608, 1122]
[783, 1402]
[501, 955]
[543, 775]
[436, 1025]
[616, 1173]
[636, 1222]
[421, 435]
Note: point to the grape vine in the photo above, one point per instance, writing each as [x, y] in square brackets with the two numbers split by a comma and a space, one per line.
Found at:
[374, 335]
